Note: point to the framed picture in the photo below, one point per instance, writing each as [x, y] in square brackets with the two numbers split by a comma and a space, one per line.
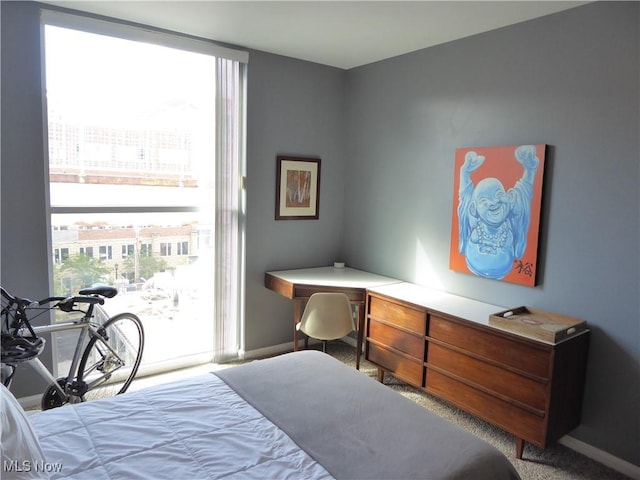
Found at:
[496, 212]
[297, 188]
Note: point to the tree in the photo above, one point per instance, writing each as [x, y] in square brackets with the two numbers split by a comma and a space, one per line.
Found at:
[147, 266]
[79, 271]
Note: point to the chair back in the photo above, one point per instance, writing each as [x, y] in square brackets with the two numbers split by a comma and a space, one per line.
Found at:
[327, 316]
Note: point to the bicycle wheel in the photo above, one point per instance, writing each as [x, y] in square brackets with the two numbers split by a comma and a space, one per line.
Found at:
[111, 359]
[51, 398]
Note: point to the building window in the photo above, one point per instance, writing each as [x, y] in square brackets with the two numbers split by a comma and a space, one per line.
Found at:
[106, 252]
[60, 255]
[165, 249]
[86, 251]
[128, 250]
[183, 248]
[145, 250]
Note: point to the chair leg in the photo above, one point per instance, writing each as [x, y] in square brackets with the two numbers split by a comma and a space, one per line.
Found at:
[306, 342]
[324, 346]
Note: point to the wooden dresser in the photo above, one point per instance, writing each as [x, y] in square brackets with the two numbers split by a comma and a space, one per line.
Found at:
[443, 344]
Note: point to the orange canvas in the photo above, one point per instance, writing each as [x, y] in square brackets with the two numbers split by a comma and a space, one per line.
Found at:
[496, 212]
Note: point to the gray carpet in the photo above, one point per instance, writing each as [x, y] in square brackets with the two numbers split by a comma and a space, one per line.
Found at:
[556, 462]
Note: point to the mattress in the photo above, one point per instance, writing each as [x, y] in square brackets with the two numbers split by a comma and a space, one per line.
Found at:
[302, 415]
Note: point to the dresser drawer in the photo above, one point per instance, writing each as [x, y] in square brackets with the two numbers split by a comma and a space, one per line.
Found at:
[523, 424]
[493, 379]
[395, 363]
[400, 315]
[488, 345]
[408, 343]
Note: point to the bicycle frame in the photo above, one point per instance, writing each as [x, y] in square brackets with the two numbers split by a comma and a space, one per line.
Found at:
[99, 354]
[87, 331]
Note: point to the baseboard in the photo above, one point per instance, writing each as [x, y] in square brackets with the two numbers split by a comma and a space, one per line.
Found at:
[611, 461]
[268, 351]
[274, 350]
[350, 341]
[31, 402]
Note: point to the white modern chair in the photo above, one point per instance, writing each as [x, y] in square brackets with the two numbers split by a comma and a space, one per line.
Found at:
[327, 316]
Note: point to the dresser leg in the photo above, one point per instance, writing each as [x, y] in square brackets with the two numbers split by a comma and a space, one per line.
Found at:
[381, 375]
[519, 448]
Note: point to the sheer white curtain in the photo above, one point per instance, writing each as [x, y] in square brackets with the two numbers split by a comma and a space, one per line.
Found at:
[229, 209]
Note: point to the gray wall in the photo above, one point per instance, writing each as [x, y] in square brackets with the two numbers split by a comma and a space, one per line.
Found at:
[24, 265]
[294, 108]
[569, 80]
[386, 134]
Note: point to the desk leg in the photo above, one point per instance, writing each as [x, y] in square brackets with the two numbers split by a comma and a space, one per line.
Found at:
[297, 316]
[360, 310]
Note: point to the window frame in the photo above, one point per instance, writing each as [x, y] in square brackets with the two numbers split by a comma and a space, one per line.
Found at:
[118, 29]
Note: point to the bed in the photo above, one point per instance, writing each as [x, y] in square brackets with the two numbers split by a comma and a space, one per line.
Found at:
[302, 415]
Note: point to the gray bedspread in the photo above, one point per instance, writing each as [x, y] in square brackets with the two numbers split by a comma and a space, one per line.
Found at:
[358, 428]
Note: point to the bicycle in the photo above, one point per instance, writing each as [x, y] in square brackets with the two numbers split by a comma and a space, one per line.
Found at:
[107, 353]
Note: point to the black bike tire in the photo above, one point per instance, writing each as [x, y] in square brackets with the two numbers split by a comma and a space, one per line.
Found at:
[92, 342]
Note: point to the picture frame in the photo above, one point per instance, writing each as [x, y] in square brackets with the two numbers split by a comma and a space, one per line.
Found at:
[297, 188]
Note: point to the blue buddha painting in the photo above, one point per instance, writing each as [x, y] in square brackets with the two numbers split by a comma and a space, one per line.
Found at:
[495, 212]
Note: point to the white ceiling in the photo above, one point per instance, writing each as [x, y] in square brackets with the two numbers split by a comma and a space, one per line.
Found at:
[342, 34]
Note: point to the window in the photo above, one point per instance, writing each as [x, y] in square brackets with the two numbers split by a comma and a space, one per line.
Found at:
[143, 128]
[165, 249]
[127, 250]
[60, 255]
[145, 250]
[106, 252]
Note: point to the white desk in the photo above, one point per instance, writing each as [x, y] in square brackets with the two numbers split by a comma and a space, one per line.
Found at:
[300, 284]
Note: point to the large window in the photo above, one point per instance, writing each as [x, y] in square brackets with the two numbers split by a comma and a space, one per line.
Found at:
[145, 159]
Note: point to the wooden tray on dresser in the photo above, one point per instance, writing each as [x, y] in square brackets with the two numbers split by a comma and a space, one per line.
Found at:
[536, 323]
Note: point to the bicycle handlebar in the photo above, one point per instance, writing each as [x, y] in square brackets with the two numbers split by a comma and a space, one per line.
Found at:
[67, 304]
[21, 302]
